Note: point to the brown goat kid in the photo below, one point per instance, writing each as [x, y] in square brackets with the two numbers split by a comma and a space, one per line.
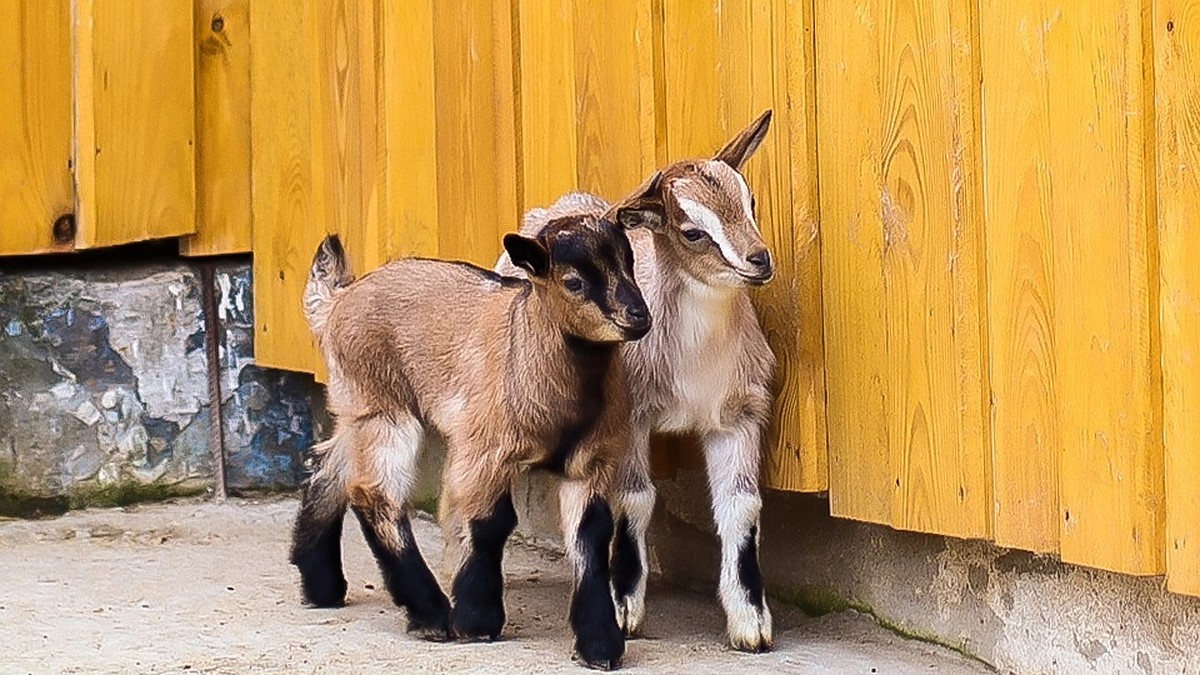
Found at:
[513, 374]
[705, 368]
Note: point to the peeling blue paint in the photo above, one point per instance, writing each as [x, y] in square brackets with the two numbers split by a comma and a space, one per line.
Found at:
[272, 418]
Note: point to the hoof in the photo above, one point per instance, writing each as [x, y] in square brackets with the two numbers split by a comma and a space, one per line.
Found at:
[478, 623]
[434, 628]
[750, 630]
[325, 594]
[600, 651]
[630, 611]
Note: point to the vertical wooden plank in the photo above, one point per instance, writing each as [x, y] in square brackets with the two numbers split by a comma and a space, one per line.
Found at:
[931, 230]
[693, 78]
[222, 52]
[848, 151]
[909, 342]
[476, 137]
[790, 307]
[616, 100]
[1021, 297]
[134, 120]
[344, 163]
[1105, 267]
[548, 102]
[286, 203]
[1176, 31]
[409, 134]
[35, 124]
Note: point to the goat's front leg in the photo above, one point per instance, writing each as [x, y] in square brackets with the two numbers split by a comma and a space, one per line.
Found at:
[483, 518]
[633, 502]
[587, 524]
[732, 457]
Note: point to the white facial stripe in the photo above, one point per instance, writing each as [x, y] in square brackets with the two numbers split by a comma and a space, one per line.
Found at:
[747, 205]
[704, 218]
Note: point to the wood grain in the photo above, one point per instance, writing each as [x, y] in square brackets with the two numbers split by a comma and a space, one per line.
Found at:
[902, 264]
[861, 484]
[1021, 300]
[1176, 31]
[222, 53]
[476, 128]
[1105, 271]
[409, 114]
[288, 208]
[929, 211]
[617, 104]
[548, 100]
[134, 121]
[35, 124]
[790, 307]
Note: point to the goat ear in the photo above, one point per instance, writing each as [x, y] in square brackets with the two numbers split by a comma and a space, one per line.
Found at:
[528, 254]
[737, 151]
[645, 207]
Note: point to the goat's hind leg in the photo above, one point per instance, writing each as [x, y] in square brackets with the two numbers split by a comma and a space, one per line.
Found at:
[386, 467]
[317, 533]
[732, 458]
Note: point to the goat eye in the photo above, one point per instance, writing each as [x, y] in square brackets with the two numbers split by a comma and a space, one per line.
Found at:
[573, 284]
[695, 235]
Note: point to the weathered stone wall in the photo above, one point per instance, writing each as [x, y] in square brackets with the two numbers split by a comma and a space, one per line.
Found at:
[104, 388]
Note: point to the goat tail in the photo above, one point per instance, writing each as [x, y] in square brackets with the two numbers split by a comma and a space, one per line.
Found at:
[330, 271]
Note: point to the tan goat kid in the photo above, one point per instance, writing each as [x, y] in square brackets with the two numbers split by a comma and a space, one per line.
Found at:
[705, 367]
[514, 374]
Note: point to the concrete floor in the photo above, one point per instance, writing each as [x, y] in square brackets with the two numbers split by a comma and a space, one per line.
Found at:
[200, 587]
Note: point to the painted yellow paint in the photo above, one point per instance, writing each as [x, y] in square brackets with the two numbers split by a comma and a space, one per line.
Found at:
[287, 205]
[35, 124]
[1021, 298]
[476, 128]
[907, 227]
[547, 77]
[1176, 31]
[616, 101]
[1102, 209]
[406, 94]
[848, 150]
[135, 163]
[222, 48]
[790, 307]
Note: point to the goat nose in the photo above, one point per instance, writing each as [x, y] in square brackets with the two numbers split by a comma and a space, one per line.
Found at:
[638, 313]
[760, 258]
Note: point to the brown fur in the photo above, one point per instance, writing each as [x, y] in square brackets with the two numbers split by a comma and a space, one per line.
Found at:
[512, 373]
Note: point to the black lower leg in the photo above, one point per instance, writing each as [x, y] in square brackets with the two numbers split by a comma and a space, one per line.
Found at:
[408, 579]
[598, 639]
[317, 548]
[479, 585]
[749, 573]
[626, 560]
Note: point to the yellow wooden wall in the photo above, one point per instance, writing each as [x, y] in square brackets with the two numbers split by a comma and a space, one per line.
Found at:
[987, 313]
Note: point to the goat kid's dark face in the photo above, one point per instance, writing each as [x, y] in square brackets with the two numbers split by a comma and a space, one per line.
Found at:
[583, 267]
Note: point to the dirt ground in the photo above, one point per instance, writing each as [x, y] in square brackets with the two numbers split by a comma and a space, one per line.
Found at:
[201, 587]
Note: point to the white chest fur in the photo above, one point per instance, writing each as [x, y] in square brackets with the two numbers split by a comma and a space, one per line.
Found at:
[703, 361]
